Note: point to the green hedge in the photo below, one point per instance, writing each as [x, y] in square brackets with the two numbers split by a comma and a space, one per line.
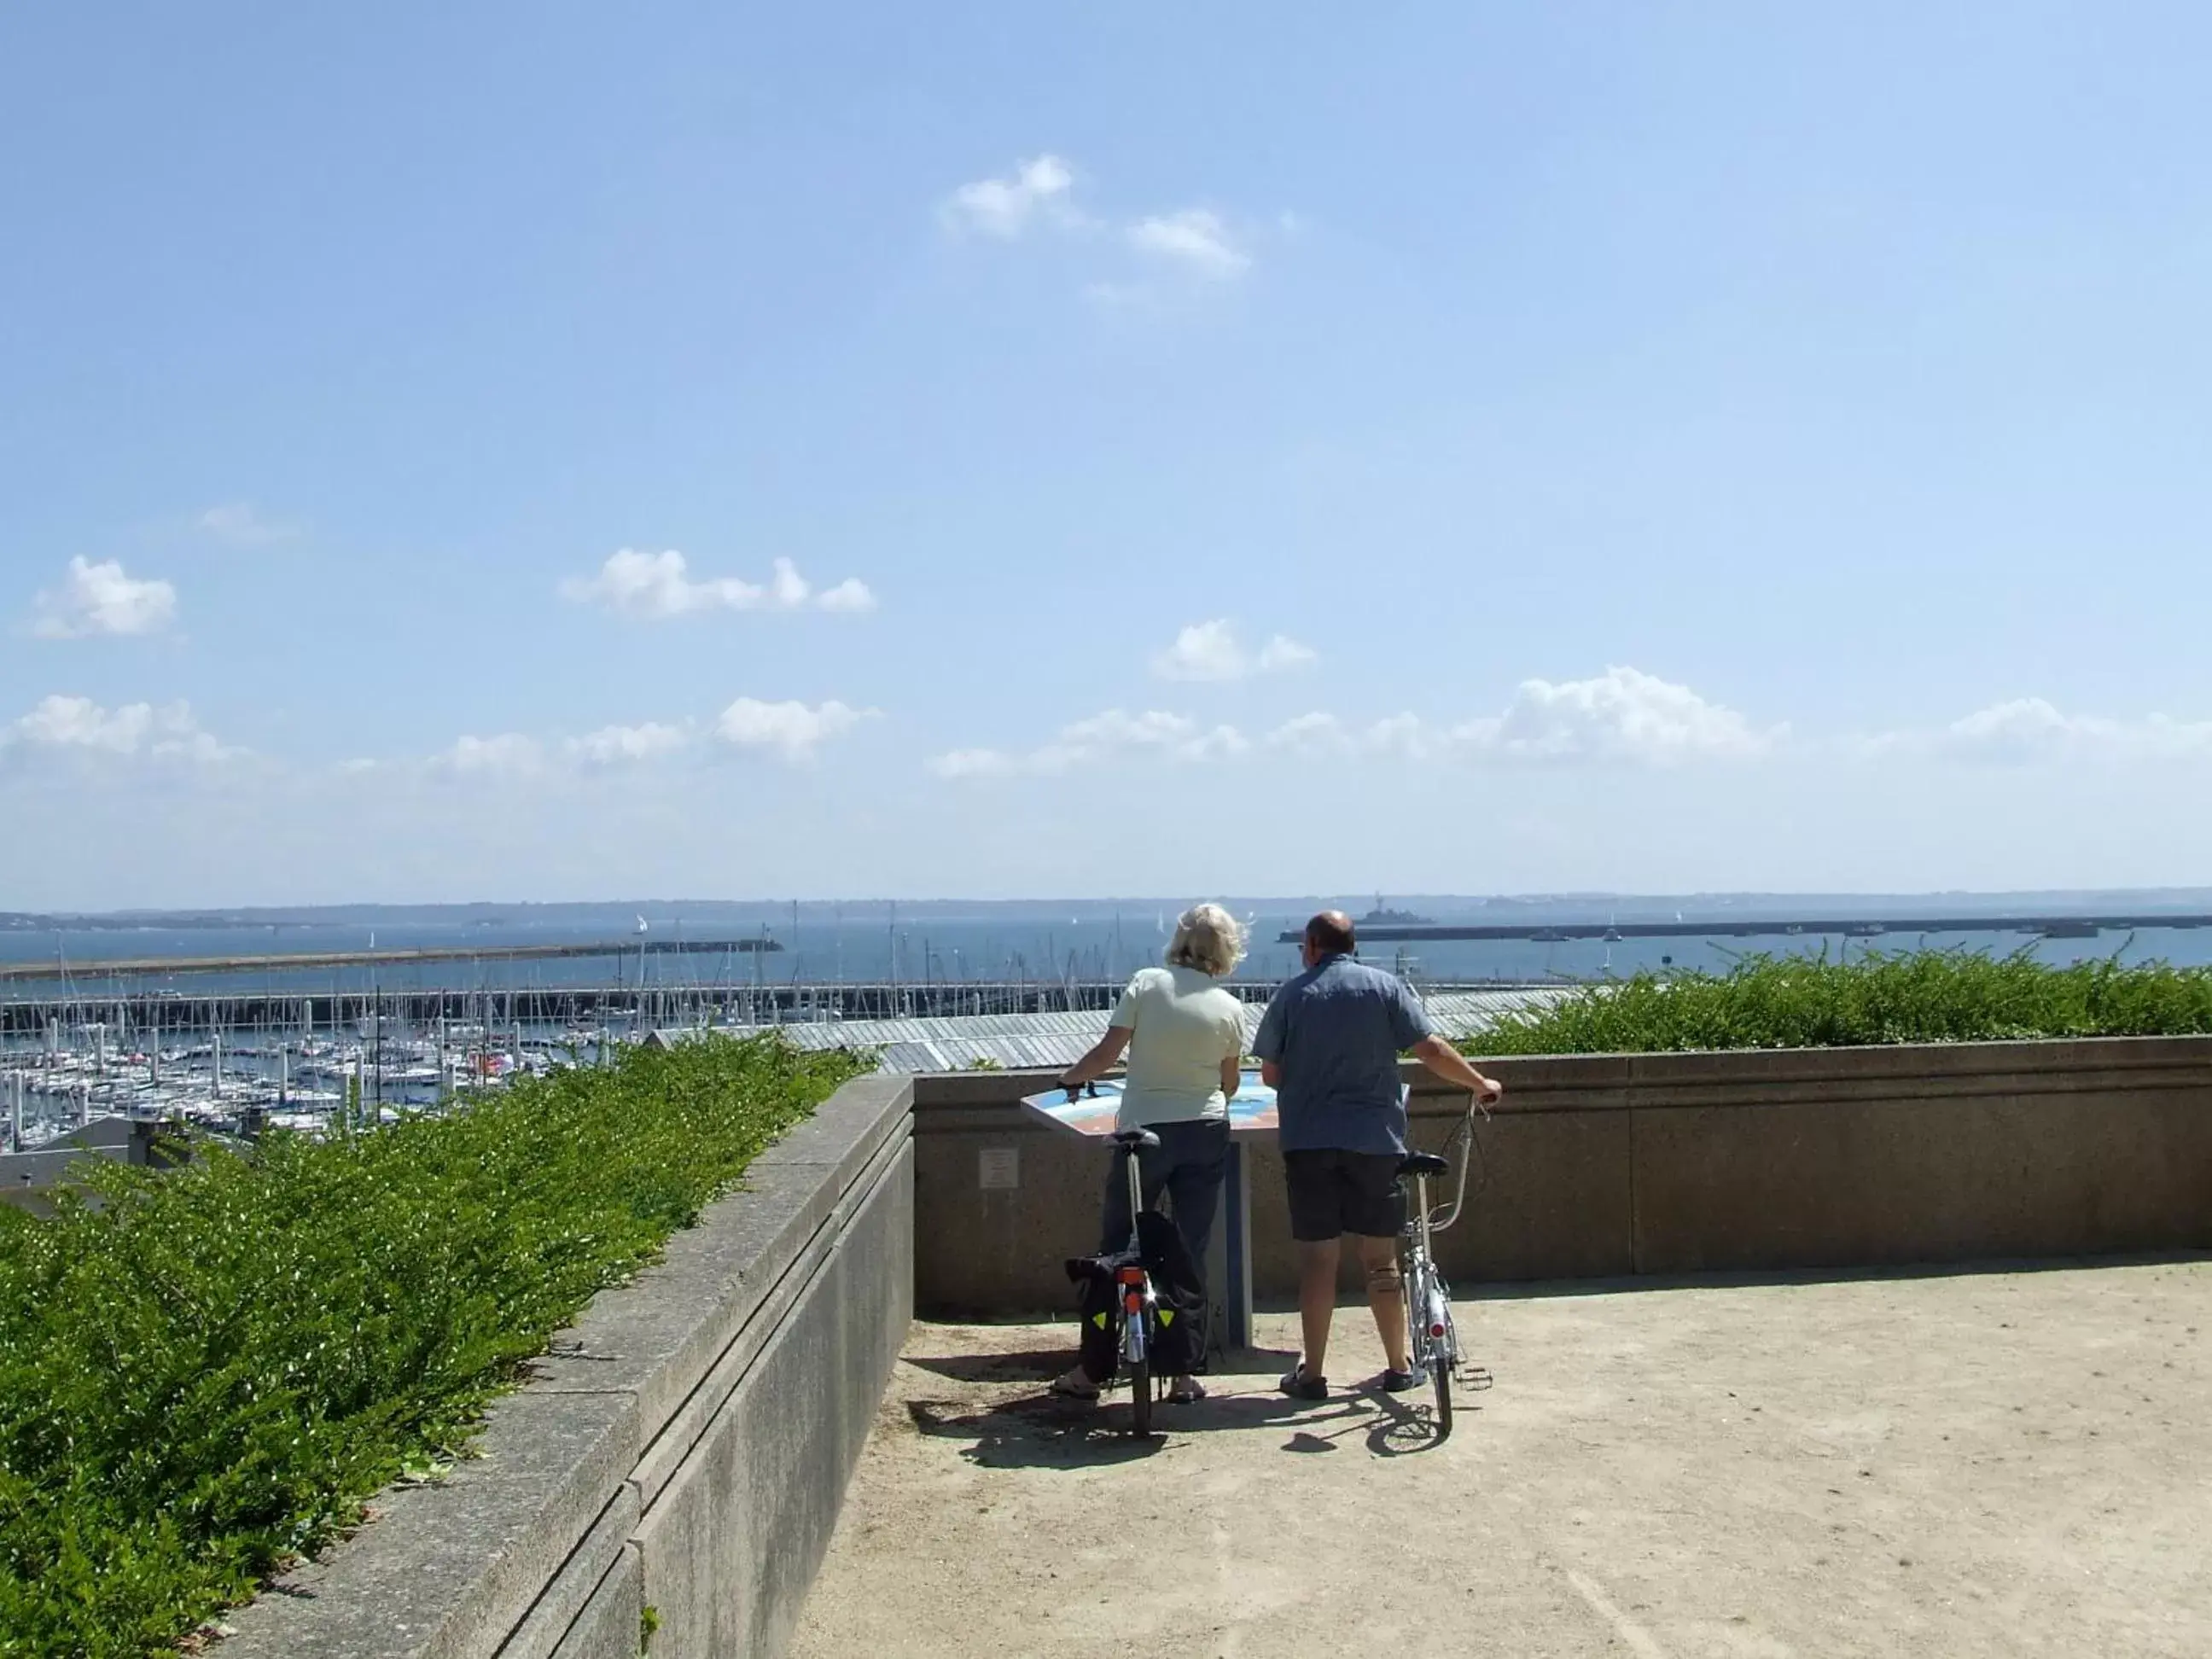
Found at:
[204, 1374]
[1808, 1002]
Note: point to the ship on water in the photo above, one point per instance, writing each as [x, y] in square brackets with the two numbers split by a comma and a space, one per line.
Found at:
[1382, 916]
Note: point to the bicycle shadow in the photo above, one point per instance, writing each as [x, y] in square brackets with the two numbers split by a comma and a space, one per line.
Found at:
[1020, 1365]
[1408, 1429]
[1043, 1430]
[1039, 1431]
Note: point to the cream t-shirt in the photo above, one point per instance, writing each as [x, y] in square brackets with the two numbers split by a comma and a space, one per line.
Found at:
[1185, 1025]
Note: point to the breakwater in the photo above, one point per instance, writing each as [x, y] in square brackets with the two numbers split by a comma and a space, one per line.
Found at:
[620, 1006]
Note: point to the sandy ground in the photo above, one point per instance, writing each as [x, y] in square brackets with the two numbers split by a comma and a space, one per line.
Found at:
[1991, 1464]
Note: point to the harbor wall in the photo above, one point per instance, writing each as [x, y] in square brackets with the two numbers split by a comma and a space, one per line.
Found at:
[685, 1447]
[1612, 1166]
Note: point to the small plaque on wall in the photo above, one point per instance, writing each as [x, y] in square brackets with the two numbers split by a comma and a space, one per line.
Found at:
[998, 1169]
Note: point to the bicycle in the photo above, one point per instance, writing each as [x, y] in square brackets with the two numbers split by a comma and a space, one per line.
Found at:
[1433, 1340]
[1136, 1304]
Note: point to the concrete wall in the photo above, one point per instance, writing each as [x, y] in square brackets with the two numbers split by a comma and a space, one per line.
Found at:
[685, 1447]
[1611, 1165]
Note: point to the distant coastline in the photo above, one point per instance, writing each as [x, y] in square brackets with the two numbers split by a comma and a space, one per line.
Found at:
[619, 915]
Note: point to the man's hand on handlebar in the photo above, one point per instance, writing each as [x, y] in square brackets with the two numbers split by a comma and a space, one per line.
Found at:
[1447, 1063]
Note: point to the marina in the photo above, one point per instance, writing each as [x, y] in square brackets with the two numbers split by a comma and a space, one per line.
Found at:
[247, 1035]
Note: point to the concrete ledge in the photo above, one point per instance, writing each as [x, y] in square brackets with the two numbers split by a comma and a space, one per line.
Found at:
[539, 1546]
[542, 1631]
[1605, 1166]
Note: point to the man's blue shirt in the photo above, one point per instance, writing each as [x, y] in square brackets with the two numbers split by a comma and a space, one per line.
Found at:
[1335, 1032]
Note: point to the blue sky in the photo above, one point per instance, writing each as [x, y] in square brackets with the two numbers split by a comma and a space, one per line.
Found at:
[1465, 447]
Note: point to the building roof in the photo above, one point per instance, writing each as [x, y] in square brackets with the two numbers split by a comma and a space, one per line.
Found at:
[1028, 1042]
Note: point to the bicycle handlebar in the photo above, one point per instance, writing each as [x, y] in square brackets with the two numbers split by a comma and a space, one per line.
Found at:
[1463, 1138]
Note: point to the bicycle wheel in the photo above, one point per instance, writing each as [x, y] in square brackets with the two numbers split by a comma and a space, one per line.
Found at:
[1440, 1373]
[1140, 1399]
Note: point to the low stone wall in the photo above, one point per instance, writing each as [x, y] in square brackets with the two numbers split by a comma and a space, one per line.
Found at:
[1612, 1165]
[686, 1448]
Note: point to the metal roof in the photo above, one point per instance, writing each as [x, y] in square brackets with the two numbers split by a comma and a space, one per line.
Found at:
[1022, 1042]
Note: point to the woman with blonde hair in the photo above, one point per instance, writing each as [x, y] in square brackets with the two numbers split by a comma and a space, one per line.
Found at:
[1184, 1037]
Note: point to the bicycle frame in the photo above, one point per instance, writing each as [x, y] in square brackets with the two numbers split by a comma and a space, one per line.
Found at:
[1433, 1341]
[1137, 1296]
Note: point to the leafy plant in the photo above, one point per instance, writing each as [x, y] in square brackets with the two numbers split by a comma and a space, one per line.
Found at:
[1812, 1002]
[204, 1372]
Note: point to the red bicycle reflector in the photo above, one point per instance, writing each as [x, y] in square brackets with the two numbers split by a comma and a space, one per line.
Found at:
[1133, 1276]
[1436, 1330]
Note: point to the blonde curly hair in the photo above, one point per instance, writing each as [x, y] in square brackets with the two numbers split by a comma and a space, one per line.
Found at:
[1208, 938]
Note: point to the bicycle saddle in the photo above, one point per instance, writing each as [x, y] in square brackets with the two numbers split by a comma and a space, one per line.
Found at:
[1144, 1138]
[1423, 1164]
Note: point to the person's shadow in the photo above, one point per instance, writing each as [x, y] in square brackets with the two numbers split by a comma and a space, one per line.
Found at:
[1042, 1430]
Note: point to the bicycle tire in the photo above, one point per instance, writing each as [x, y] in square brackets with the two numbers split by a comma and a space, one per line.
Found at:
[1140, 1399]
[1440, 1371]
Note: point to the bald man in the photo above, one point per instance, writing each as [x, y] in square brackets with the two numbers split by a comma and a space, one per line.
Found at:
[1329, 1046]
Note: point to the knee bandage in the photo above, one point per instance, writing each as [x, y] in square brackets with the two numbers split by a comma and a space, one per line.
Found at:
[1385, 1279]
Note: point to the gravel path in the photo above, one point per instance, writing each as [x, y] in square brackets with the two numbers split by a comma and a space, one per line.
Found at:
[1992, 1464]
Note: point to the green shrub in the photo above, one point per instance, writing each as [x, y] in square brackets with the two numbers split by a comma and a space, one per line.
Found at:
[203, 1373]
[1810, 1002]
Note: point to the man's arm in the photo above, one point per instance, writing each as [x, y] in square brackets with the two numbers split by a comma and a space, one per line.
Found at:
[1267, 1042]
[1101, 1059]
[1232, 1076]
[1447, 1063]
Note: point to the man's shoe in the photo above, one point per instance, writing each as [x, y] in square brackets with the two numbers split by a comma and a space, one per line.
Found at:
[1398, 1382]
[1300, 1384]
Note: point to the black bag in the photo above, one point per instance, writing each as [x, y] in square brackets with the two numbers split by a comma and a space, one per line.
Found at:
[1179, 1336]
[1096, 1294]
[1179, 1341]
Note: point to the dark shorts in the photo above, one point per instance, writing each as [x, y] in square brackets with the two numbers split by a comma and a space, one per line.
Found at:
[1333, 1193]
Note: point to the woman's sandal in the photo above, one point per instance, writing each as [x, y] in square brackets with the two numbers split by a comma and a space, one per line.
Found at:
[1187, 1391]
[1075, 1385]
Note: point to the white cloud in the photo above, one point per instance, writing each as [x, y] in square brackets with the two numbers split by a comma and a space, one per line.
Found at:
[1101, 737]
[104, 599]
[1325, 734]
[1623, 714]
[850, 595]
[786, 587]
[2024, 731]
[790, 730]
[622, 746]
[1212, 651]
[1005, 208]
[65, 724]
[240, 524]
[659, 586]
[509, 755]
[1194, 239]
